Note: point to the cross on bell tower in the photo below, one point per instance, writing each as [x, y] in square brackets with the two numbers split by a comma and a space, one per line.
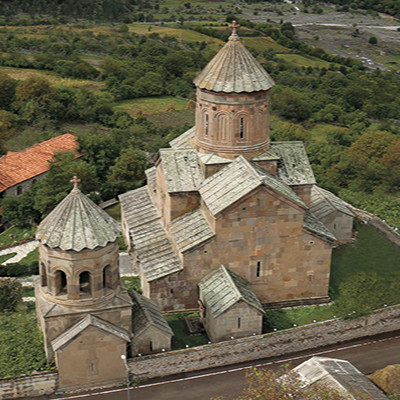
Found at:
[234, 25]
[75, 181]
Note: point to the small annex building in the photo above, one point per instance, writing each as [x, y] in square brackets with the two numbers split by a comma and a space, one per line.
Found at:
[333, 212]
[341, 375]
[229, 308]
[151, 331]
[18, 170]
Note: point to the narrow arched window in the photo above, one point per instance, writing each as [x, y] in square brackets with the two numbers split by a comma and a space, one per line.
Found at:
[107, 277]
[43, 275]
[60, 283]
[258, 271]
[241, 128]
[84, 282]
[206, 125]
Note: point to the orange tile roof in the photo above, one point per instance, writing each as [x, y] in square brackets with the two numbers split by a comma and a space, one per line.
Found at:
[26, 164]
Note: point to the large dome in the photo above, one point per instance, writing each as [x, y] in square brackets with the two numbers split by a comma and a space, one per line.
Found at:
[234, 69]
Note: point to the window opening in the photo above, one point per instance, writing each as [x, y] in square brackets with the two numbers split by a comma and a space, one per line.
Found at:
[241, 128]
[206, 125]
[238, 323]
[43, 275]
[84, 282]
[107, 277]
[258, 269]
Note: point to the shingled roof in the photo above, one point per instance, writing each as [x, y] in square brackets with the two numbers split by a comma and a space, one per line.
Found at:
[234, 69]
[293, 167]
[76, 224]
[190, 230]
[223, 288]
[33, 161]
[236, 180]
[182, 170]
[80, 326]
[324, 203]
[315, 226]
[146, 315]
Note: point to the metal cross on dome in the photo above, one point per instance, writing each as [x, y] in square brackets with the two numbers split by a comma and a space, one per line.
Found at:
[75, 181]
[234, 25]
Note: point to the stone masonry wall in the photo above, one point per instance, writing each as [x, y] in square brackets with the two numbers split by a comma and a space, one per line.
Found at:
[36, 385]
[264, 346]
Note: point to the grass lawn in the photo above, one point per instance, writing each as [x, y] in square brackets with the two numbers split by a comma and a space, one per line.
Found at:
[177, 118]
[372, 252]
[181, 338]
[114, 211]
[6, 257]
[21, 344]
[15, 234]
[262, 43]
[304, 61]
[151, 105]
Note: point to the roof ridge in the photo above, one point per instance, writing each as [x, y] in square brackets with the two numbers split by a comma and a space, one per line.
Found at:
[232, 283]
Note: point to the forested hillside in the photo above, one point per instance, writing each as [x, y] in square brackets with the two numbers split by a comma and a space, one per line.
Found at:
[94, 81]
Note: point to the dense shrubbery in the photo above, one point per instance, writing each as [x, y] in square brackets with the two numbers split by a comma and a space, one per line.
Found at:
[19, 269]
[10, 294]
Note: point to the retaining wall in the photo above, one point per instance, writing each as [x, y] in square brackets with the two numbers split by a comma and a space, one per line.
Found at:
[36, 385]
[264, 346]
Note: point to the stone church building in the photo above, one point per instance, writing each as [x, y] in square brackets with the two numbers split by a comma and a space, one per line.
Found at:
[224, 194]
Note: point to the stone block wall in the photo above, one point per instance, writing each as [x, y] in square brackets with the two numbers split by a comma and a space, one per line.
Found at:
[264, 346]
[36, 385]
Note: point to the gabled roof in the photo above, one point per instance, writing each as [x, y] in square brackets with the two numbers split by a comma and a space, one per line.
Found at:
[340, 374]
[80, 326]
[315, 226]
[213, 159]
[182, 170]
[184, 140]
[145, 314]
[324, 203]
[223, 288]
[234, 69]
[190, 230]
[294, 167]
[236, 180]
[76, 224]
[149, 239]
[33, 161]
[154, 251]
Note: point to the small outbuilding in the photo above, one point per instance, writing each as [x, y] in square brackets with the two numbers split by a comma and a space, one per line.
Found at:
[88, 354]
[151, 332]
[332, 212]
[229, 307]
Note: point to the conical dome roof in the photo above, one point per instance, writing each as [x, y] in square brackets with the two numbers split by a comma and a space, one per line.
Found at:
[234, 69]
[76, 224]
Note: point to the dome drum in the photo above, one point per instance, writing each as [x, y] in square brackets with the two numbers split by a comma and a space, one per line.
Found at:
[232, 124]
[79, 279]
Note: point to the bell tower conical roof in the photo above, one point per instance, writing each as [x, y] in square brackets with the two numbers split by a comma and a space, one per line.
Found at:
[76, 224]
[234, 69]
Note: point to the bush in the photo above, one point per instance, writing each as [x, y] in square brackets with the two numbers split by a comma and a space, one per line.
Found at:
[373, 40]
[19, 269]
[10, 294]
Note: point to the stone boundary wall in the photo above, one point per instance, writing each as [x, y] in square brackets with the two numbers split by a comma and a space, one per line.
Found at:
[9, 246]
[264, 346]
[35, 385]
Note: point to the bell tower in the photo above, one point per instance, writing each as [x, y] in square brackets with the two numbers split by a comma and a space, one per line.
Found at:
[233, 92]
[79, 297]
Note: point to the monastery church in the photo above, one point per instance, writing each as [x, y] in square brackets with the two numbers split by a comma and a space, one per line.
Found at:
[228, 222]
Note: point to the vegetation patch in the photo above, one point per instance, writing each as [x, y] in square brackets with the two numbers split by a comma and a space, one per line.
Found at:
[21, 344]
[178, 118]
[115, 212]
[181, 338]
[6, 257]
[132, 282]
[16, 234]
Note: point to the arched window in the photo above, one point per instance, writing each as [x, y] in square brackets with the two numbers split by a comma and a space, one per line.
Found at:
[241, 127]
[222, 126]
[60, 283]
[206, 126]
[107, 277]
[43, 275]
[84, 282]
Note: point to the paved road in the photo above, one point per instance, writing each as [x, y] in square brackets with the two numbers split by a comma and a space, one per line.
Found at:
[367, 355]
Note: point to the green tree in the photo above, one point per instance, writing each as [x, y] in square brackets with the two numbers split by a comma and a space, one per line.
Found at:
[373, 40]
[289, 104]
[56, 185]
[10, 294]
[7, 90]
[128, 171]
